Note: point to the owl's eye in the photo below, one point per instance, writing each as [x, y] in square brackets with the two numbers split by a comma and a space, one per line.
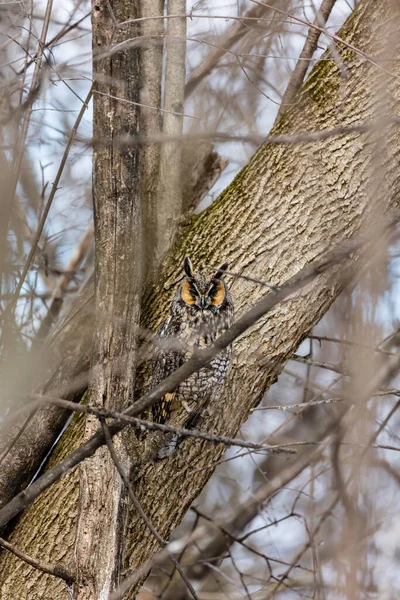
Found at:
[217, 293]
[189, 292]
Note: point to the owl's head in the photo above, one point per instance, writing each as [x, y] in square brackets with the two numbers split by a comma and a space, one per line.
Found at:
[204, 292]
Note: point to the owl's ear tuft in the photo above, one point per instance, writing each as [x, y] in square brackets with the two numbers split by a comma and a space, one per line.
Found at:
[221, 271]
[187, 265]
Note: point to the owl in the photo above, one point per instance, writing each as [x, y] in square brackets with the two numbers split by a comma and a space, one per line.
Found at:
[201, 311]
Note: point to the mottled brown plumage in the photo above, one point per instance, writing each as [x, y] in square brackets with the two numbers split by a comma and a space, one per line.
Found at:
[200, 311]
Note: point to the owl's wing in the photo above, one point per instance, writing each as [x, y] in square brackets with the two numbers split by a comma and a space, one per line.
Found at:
[165, 362]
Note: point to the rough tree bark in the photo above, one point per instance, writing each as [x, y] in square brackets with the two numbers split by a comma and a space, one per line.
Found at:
[288, 205]
[118, 275]
[33, 437]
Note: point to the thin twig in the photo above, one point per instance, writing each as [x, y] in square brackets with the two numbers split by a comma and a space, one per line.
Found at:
[63, 282]
[248, 510]
[238, 520]
[285, 407]
[333, 36]
[49, 202]
[55, 570]
[67, 29]
[306, 360]
[235, 33]
[143, 425]
[24, 130]
[194, 364]
[325, 338]
[303, 62]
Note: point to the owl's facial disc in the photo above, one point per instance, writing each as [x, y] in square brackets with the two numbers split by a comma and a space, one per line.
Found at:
[212, 296]
[217, 293]
[188, 293]
[195, 297]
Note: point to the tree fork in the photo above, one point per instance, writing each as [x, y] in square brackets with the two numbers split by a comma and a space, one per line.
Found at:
[288, 205]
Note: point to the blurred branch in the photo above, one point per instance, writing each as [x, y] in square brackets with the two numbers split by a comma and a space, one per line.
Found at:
[324, 338]
[194, 364]
[225, 527]
[383, 464]
[234, 34]
[333, 36]
[261, 200]
[303, 62]
[64, 31]
[20, 144]
[221, 136]
[248, 510]
[201, 167]
[57, 297]
[307, 545]
[39, 230]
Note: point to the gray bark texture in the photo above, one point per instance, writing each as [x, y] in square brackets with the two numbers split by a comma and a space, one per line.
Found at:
[118, 275]
[287, 206]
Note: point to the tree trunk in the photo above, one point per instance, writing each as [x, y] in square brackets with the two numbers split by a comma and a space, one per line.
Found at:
[118, 275]
[169, 208]
[288, 205]
[150, 124]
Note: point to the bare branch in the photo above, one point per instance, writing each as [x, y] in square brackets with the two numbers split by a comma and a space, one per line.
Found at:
[57, 297]
[310, 45]
[248, 510]
[49, 202]
[235, 33]
[142, 424]
[202, 358]
[170, 169]
[55, 570]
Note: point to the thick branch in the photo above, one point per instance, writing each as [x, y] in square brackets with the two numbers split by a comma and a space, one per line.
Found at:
[139, 508]
[151, 56]
[217, 536]
[118, 275]
[194, 364]
[288, 206]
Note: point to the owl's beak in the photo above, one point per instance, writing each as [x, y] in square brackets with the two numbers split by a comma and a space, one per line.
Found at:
[202, 302]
